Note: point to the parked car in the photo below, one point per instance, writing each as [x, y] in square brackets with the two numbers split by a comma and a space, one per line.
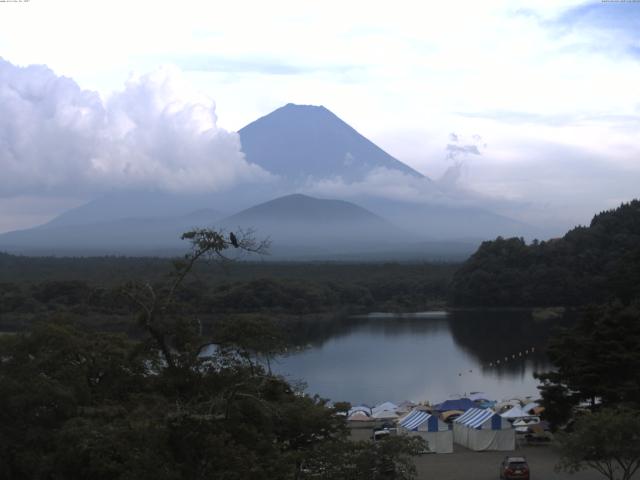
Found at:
[513, 468]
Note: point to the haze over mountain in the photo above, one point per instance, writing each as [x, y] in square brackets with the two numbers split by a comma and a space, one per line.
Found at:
[445, 222]
[303, 147]
[301, 221]
[123, 236]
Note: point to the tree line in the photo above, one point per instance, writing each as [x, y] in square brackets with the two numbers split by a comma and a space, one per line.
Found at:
[591, 264]
[287, 291]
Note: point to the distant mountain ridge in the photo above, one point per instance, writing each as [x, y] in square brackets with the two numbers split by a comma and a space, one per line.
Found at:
[122, 236]
[299, 142]
[303, 208]
[302, 221]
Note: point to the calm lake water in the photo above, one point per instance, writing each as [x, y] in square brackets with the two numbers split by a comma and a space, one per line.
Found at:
[432, 356]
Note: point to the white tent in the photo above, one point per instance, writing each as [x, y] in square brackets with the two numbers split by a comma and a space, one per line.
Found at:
[515, 412]
[522, 425]
[434, 431]
[385, 415]
[358, 417]
[384, 406]
[507, 404]
[483, 429]
[386, 410]
[360, 408]
[405, 407]
[529, 407]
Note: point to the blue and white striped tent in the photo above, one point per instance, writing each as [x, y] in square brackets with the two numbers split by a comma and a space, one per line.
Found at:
[483, 429]
[476, 417]
[419, 419]
[433, 430]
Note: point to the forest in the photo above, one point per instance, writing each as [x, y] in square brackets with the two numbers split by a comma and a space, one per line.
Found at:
[90, 289]
[590, 264]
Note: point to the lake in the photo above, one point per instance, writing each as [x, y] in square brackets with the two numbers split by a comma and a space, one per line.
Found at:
[430, 356]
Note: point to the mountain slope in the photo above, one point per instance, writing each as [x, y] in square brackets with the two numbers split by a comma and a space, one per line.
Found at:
[303, 208]
[310, 223]
[440, 222]
[302, 141]
[146, 236]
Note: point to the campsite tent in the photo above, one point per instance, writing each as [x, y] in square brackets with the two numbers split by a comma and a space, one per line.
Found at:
[405, 407]
[386, 410]
[521, 425]
[360, 408]
[384, 406]
[475, 396]
[358, 417]
[434, 431]
[463, 404]
[385, 415]
[450, 415]
[515, 412]
[506, 405]
[480, 429]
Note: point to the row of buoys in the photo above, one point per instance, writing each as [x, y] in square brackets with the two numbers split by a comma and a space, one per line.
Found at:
[512, 357]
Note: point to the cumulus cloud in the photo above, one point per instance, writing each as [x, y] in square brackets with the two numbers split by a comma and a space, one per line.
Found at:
[155, 133]
[454, 151]
[395, 185]
[458, 151]
[379, 182]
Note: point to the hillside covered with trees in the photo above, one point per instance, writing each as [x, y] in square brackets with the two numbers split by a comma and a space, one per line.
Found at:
[588, 265]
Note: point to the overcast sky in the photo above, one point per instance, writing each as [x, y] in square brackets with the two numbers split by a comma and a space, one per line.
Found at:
[546, 92]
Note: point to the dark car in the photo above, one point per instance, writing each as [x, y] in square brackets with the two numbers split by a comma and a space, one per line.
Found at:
[514, 468]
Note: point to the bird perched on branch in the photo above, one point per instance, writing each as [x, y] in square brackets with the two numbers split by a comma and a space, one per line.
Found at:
[234, 240]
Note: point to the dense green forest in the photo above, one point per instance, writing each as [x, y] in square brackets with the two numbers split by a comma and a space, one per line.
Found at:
[90, 289]
[588, 265]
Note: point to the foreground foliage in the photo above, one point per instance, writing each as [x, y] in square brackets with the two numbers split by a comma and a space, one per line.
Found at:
[607, 441]
[594, 391]
[596, 363]
[88, 405]
[79, 404]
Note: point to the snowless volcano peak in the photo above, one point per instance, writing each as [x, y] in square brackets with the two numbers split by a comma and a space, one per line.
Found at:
[298, 142]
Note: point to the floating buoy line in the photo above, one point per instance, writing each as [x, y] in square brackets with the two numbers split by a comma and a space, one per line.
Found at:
[513, 356]
[508, 358]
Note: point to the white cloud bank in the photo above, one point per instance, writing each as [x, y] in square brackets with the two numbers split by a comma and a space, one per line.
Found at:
[156, 133]
[447, 189]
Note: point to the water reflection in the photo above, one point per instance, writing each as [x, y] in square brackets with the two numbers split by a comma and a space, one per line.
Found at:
[377, 358]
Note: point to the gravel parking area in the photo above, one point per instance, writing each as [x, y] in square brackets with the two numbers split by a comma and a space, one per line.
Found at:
[467, 464]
